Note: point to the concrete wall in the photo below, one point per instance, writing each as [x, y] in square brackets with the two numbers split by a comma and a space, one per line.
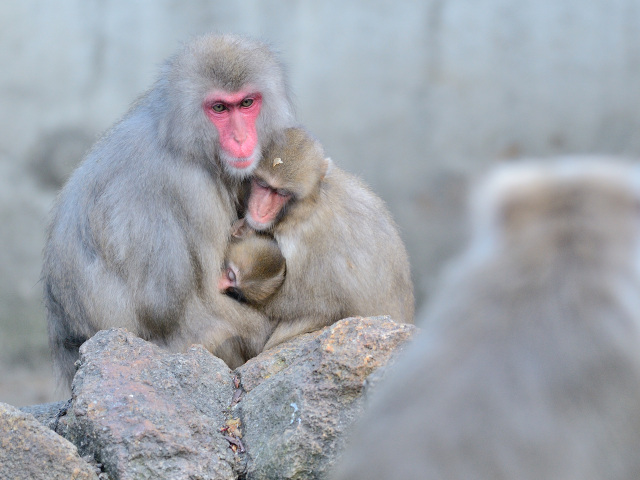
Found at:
[416, 97]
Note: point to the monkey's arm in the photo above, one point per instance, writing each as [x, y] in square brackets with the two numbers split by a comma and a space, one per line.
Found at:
[286, 330]
[142, 241]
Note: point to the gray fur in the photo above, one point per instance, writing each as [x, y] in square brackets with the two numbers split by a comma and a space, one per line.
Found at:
[528, 366]
[138, 234]
[343, 251]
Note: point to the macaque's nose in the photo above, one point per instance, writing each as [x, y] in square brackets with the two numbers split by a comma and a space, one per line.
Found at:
[239, 137]
[238, 129]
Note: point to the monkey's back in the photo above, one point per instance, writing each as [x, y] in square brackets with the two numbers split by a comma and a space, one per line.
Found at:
[512, 379]
[528, 365]
[119, 252]
[352, 260]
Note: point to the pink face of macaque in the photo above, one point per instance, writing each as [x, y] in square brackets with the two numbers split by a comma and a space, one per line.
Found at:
[234, 116]
[265, 204]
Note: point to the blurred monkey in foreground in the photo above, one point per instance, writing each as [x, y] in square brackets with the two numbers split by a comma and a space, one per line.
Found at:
[528, 366]
[343, 253]
[138, 234]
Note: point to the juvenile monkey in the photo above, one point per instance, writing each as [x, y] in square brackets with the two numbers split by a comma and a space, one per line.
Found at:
[254, 267]
[528, 365]
[343, 252]
[138, 233]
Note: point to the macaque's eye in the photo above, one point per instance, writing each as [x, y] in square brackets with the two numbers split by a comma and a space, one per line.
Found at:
[218, 107]
[247, 102]
[231, 275]
[261, 183]
[283, 193]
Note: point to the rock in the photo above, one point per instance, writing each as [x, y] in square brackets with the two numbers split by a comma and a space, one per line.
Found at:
[30, 451]
[141, 412]
[48, 414]
[145, 413]
[303, 396]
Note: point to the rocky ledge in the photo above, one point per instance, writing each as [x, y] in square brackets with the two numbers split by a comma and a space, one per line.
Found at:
[139, 412]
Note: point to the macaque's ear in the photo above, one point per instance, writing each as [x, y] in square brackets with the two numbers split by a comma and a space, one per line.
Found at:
[328, 165]
[240, 229]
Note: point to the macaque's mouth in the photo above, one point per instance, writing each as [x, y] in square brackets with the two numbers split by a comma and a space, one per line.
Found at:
[241, 163]
[257, 224]
[263, 221]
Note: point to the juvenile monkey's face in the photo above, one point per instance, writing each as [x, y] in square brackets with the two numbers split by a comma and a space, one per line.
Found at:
[266, 203]
[254, 269]
[288, 177]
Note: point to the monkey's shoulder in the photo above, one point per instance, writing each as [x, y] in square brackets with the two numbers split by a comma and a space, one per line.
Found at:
[347, 191]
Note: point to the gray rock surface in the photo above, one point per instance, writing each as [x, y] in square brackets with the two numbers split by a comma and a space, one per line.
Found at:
[303, 396]
[48, 414]
[140, 412]
[30, 451]
[144, 413]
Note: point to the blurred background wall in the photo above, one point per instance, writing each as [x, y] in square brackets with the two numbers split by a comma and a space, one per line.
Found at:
[416, 97]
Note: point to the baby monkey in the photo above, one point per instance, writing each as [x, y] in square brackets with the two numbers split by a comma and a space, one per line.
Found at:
[254, 266]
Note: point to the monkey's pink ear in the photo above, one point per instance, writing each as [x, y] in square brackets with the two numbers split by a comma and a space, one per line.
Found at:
[328, 165]
[240, 229]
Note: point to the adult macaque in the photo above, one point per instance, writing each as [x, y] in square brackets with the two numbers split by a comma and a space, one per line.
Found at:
[138, 234]
[528, 366]
[254, 267]
[343, 252]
